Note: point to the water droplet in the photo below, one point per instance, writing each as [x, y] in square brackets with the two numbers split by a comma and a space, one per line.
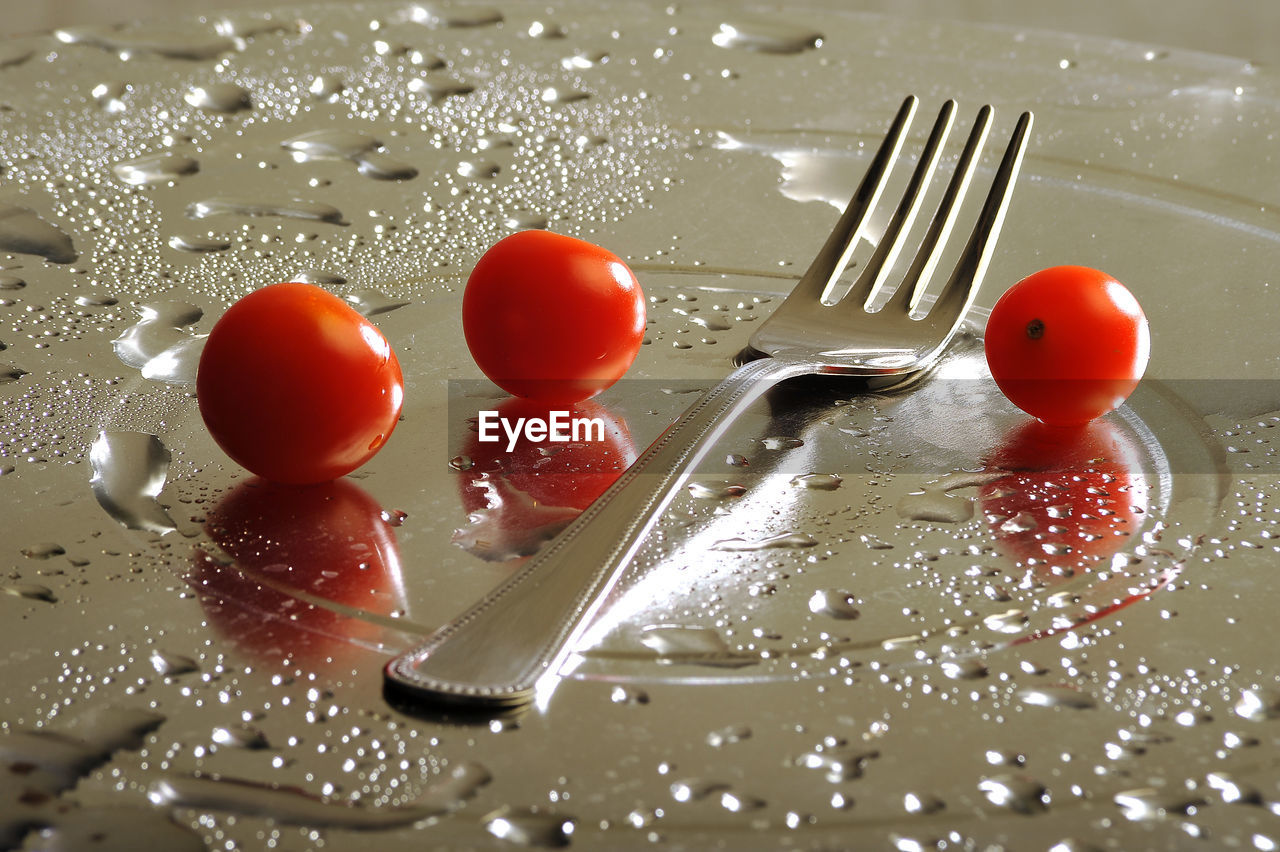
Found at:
[240, 736]
[161, 345]
[922, 803]
[165, 167]
[528, 827]
[817, 481]
[833, 603]
[248, 24]
[1150, 803]
[219, 97]
[479, 169]
[773, 542]
[875, 542]
[772, 36]
[110, 96]
[710, 323]
[1021, 522]
[11, 282]
[30, 591]
[371, 302]
[545, 29]
[728, 736]
[699, 645]
[190, 43]
[1009, 621]
[1057, 696]
[14, 54]
[968, 669]
[781, 443]
[439, 89]
[582, 60]
[293, 208]
[359, 148]
[439, 16]
[326, 87]
[10, 373]
[318, 277]
[525, 220]
[737, 803]
[1016, 792]
[1257, 706]
[197, 244]
[717, 490]
[44, 550]
[22, 231]
[129, 472]
[628, 695]
[562, 95]
[839, 763]
[696, 789]
[168, 664]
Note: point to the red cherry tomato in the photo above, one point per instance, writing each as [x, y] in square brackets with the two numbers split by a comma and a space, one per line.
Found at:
[1067, 344]
[551, 317]
[298, 387]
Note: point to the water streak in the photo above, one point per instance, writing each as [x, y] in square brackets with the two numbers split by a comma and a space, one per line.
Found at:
[293, 806]
[165, 167]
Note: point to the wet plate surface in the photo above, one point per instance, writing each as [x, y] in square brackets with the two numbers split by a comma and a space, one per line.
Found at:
[874, 620]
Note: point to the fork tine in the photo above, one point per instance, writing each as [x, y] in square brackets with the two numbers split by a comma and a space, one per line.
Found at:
[918, 275]
[955, 299]
[834, 255]
[882, 259]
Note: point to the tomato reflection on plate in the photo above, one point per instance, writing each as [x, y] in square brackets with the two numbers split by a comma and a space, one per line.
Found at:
[313, 571]
[1074, 496]
[518, 499]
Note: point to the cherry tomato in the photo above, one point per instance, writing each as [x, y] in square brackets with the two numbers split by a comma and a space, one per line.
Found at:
[516, 500]
[298, 387]
[1067, 344]
[551, 317]
[316, 575]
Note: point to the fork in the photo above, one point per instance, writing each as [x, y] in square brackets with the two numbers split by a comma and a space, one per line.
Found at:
[507, 649]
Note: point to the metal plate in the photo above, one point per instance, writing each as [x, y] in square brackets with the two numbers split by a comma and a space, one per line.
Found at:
[857, 631]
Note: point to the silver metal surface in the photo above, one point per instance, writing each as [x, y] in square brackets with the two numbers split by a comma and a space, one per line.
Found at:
[512, 643]
[899, 619]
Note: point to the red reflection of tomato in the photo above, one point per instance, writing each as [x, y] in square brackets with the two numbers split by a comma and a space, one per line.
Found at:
[1074, 496]
[313, 570]
[552, 317]
[517, 499]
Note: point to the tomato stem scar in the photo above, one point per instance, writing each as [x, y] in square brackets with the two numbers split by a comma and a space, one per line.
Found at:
[1035, 329]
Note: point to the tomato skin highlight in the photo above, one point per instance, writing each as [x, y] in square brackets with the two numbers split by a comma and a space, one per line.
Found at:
[552, 317]
[296, 386]
[1067, 344]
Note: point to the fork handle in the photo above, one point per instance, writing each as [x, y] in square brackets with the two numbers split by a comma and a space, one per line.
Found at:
[494, 655]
